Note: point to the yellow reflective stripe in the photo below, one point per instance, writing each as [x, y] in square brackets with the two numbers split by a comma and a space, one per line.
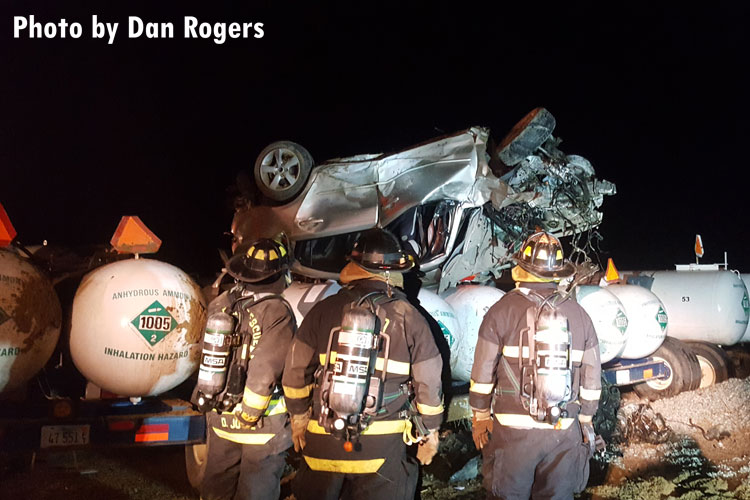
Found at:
[276, 407]
[255, 400]
[481, 388]
[527, 422]
[323, 358]
[244, 438]
[511, 351]
[394, 367]
[295, 393]
[345, 466]
[576, 355]
[586, 419]
[374, 429]
[430, 410]
[590, 394]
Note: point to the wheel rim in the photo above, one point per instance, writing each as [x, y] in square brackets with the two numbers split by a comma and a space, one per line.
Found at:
[661, 384]
[708, 374]
[280, 169]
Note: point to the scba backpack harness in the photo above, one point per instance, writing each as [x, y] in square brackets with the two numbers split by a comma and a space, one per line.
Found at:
[546, 372]
[226, 353]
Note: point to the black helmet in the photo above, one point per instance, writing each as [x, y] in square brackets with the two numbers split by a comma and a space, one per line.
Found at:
[258, 261]
[379, 250]
[541, 255]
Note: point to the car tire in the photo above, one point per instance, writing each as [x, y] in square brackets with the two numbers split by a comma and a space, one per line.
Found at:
[681, 362]
[281, 170]
[195, 463]
[526, 136]
[714, 362]
[740, 361]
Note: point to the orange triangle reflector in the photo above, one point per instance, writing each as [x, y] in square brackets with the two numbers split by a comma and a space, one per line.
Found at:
[698, 246]
[132, 236]
[7, 232]
[612, 273]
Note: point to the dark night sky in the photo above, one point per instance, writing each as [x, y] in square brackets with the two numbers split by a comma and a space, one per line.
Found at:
[655, 98]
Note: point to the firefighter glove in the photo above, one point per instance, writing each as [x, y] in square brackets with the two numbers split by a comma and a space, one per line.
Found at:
[246, 421]
[481, 427]
[299, 426]
[428, 448]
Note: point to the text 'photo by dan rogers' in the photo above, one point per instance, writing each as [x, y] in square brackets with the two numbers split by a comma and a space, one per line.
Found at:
[219, 32]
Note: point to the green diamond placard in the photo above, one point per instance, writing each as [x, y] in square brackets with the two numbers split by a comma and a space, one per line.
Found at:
[621, 321]
[661, 318]
[447, 334]
[154, 323]
[3, 316]
[745, 304]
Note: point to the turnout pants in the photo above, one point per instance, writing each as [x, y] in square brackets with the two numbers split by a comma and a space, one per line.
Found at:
[395, 480]
[236, 471]
[535, 463]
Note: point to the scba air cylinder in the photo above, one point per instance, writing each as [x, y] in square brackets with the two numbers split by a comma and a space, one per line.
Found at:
[355, 344]
[552, 346]
[30, 319]
[217, 345]
[136, 327]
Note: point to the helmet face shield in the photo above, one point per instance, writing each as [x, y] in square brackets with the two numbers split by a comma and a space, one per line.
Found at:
[542, 255]
[258, 261]
[379, 250]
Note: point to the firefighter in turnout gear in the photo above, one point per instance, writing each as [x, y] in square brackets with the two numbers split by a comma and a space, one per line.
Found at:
[536, 382]
[248, 429]
[365, 340]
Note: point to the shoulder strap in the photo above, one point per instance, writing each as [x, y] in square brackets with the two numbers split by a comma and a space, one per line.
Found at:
[255, 299]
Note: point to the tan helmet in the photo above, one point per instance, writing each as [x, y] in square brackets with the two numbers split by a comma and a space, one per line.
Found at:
[542, 255]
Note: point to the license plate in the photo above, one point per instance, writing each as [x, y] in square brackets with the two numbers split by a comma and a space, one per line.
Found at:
[64, 435]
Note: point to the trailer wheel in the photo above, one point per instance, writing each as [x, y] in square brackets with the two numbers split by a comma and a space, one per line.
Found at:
[740, 360]
[195, 463]
[696, 371]
[713, 360]
[683, 366]
[525, 136]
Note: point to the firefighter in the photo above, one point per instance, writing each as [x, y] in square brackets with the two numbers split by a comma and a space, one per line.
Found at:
[246, 445]
[374, 463]
[533, 395]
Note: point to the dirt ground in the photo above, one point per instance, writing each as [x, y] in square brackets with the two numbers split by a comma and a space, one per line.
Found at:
[693, 446]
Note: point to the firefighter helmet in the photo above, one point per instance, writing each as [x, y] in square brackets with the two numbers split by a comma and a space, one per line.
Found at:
[379, 250]
[258, 261]
[541, 255]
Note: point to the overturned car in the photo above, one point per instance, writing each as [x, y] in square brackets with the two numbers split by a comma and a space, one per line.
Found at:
[460, 206]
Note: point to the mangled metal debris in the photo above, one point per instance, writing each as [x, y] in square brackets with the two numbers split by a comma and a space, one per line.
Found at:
[460, 207]
[638, 422]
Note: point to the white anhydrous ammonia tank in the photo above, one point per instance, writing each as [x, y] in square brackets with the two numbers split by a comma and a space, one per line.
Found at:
[30, 318]
[470, 303]
[608, 316]
[303, 296]
[647, 320]
[711, 306]
[746, 281]
[136, 327]
[446, 318]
